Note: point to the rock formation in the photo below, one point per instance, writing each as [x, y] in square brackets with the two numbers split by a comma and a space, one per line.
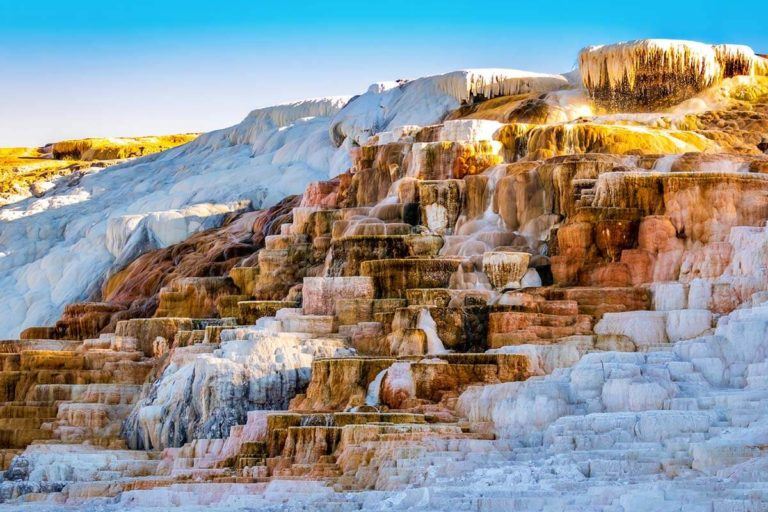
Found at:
[28, 172]
[504, 290]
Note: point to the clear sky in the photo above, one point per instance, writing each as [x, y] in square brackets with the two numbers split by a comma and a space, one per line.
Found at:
[83, 68]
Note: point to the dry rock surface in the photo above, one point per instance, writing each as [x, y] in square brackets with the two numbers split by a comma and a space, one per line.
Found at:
[26, 172]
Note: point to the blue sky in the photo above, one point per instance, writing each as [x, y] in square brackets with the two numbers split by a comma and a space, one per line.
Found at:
[135, 67]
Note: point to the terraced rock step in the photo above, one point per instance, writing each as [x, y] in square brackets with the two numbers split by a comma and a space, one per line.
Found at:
[76, 394]
[249, 311]
[338, 384]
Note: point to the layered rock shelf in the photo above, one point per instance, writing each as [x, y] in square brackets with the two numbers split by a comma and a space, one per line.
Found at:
[533, 300]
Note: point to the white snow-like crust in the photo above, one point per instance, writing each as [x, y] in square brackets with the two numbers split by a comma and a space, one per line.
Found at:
[426, 101]
[202, 395]
[57, 248]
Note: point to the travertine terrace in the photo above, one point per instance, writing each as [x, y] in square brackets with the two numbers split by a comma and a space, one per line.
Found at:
[484, 290]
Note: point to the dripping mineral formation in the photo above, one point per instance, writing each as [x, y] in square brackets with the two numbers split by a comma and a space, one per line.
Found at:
[484, 290]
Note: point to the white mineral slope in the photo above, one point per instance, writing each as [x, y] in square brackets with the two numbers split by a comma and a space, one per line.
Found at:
[202, 395]
[424, 101]
[56, 249]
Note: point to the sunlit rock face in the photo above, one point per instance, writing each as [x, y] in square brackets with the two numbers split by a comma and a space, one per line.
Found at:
[660, 73]
[658, 227]
[115, 148]
[26, 172]
[556, 140]
[514, 291]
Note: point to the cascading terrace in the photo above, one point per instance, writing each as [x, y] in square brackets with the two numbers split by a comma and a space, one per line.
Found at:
[496, 289]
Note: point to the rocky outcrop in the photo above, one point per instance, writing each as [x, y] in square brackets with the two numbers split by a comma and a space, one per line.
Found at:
[204, 391]
[116, 148]
[26, 172]
[660, 73]
[211, 253]
[194, 297]
[341, 384]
